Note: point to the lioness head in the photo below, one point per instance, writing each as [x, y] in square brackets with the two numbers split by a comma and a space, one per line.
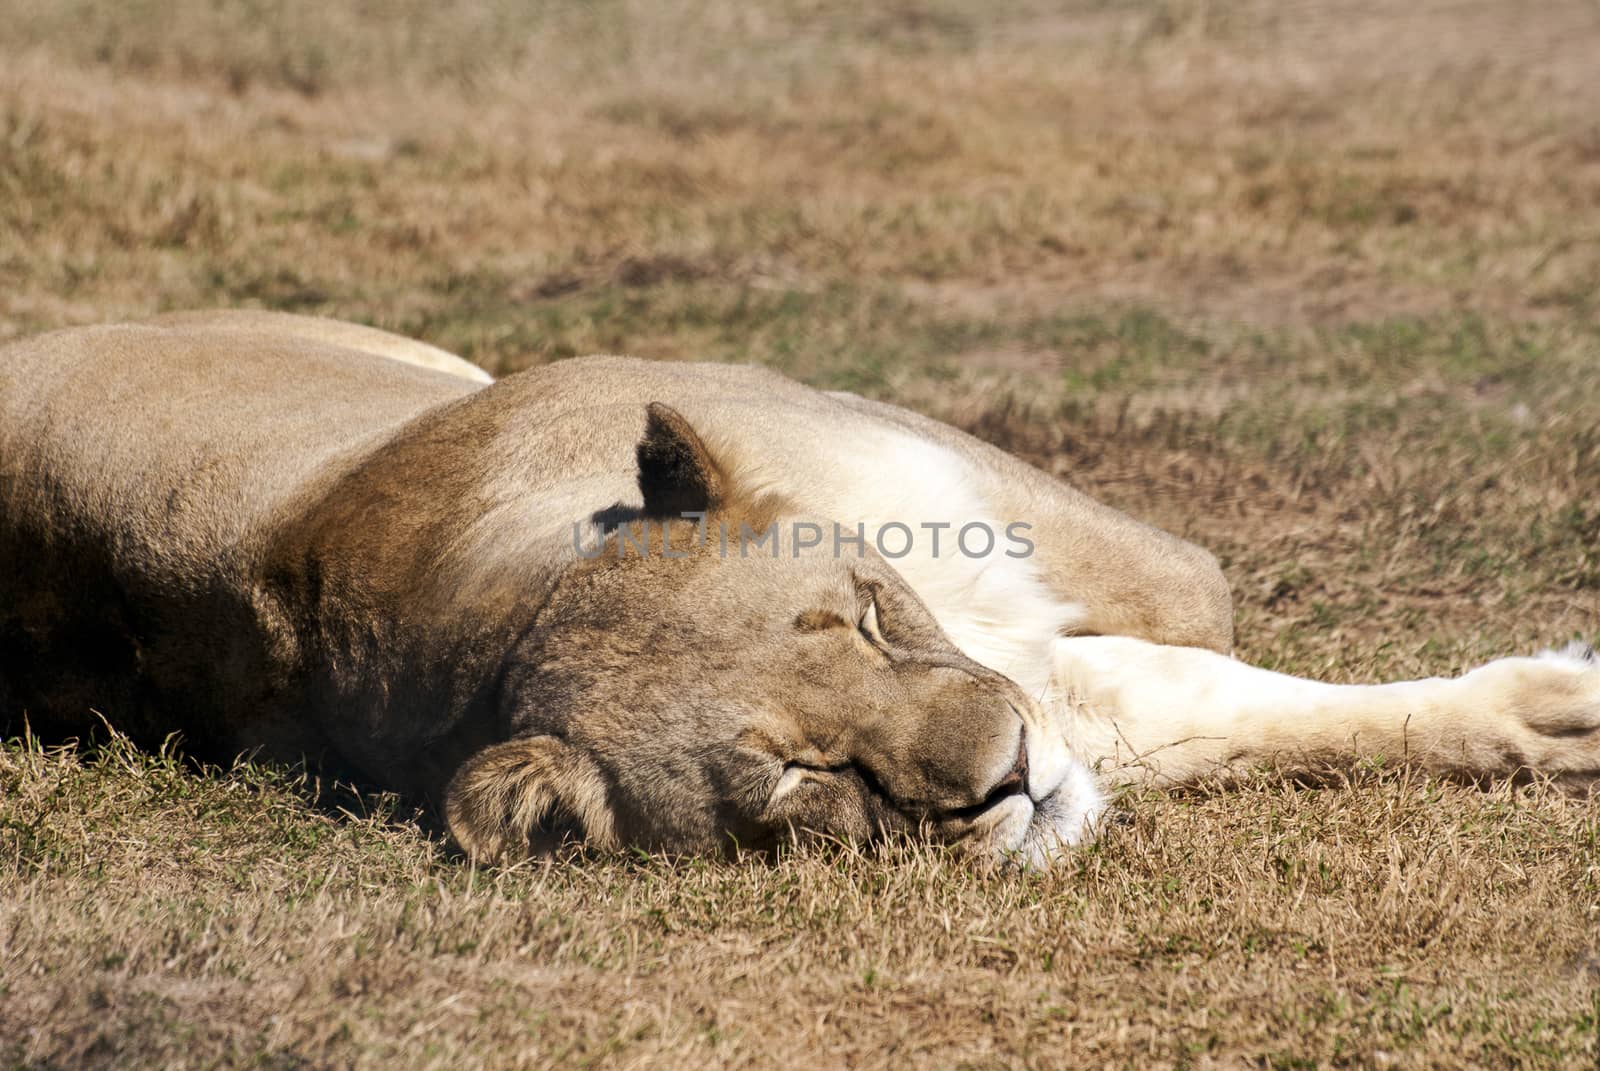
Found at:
[697, 697]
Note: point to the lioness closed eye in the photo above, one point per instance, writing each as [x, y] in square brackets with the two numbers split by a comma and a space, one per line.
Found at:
[679, 606]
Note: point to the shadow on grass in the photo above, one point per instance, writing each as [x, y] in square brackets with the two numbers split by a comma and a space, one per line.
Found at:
[170, 772]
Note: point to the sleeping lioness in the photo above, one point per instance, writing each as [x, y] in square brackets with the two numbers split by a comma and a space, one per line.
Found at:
[679, 606]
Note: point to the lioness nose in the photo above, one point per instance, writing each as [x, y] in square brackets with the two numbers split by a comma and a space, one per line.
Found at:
[1016, 780]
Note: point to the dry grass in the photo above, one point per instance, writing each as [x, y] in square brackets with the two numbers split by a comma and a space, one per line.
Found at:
[1311, 283]
[164, 919]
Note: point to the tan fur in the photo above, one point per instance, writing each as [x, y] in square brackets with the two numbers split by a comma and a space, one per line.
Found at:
[266, 533]
[530, 783]
[284, 325]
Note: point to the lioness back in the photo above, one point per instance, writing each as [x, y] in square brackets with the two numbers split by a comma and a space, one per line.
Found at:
[145, 463]
[320, 329]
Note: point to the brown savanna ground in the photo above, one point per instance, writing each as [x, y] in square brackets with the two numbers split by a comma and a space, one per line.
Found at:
[1312, 283]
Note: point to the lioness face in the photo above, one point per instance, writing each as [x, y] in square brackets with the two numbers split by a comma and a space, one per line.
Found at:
[720, 701]
[726, 699]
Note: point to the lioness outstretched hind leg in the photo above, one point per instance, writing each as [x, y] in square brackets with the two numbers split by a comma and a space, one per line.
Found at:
[1169, 715]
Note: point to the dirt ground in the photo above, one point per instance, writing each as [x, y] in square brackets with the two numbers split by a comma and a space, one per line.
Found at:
[1314, 284]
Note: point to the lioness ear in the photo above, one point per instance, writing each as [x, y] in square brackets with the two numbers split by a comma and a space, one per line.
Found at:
[527, 797]
[677, 474]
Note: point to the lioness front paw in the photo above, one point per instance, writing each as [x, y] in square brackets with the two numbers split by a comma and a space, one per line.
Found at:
[1552, 704]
